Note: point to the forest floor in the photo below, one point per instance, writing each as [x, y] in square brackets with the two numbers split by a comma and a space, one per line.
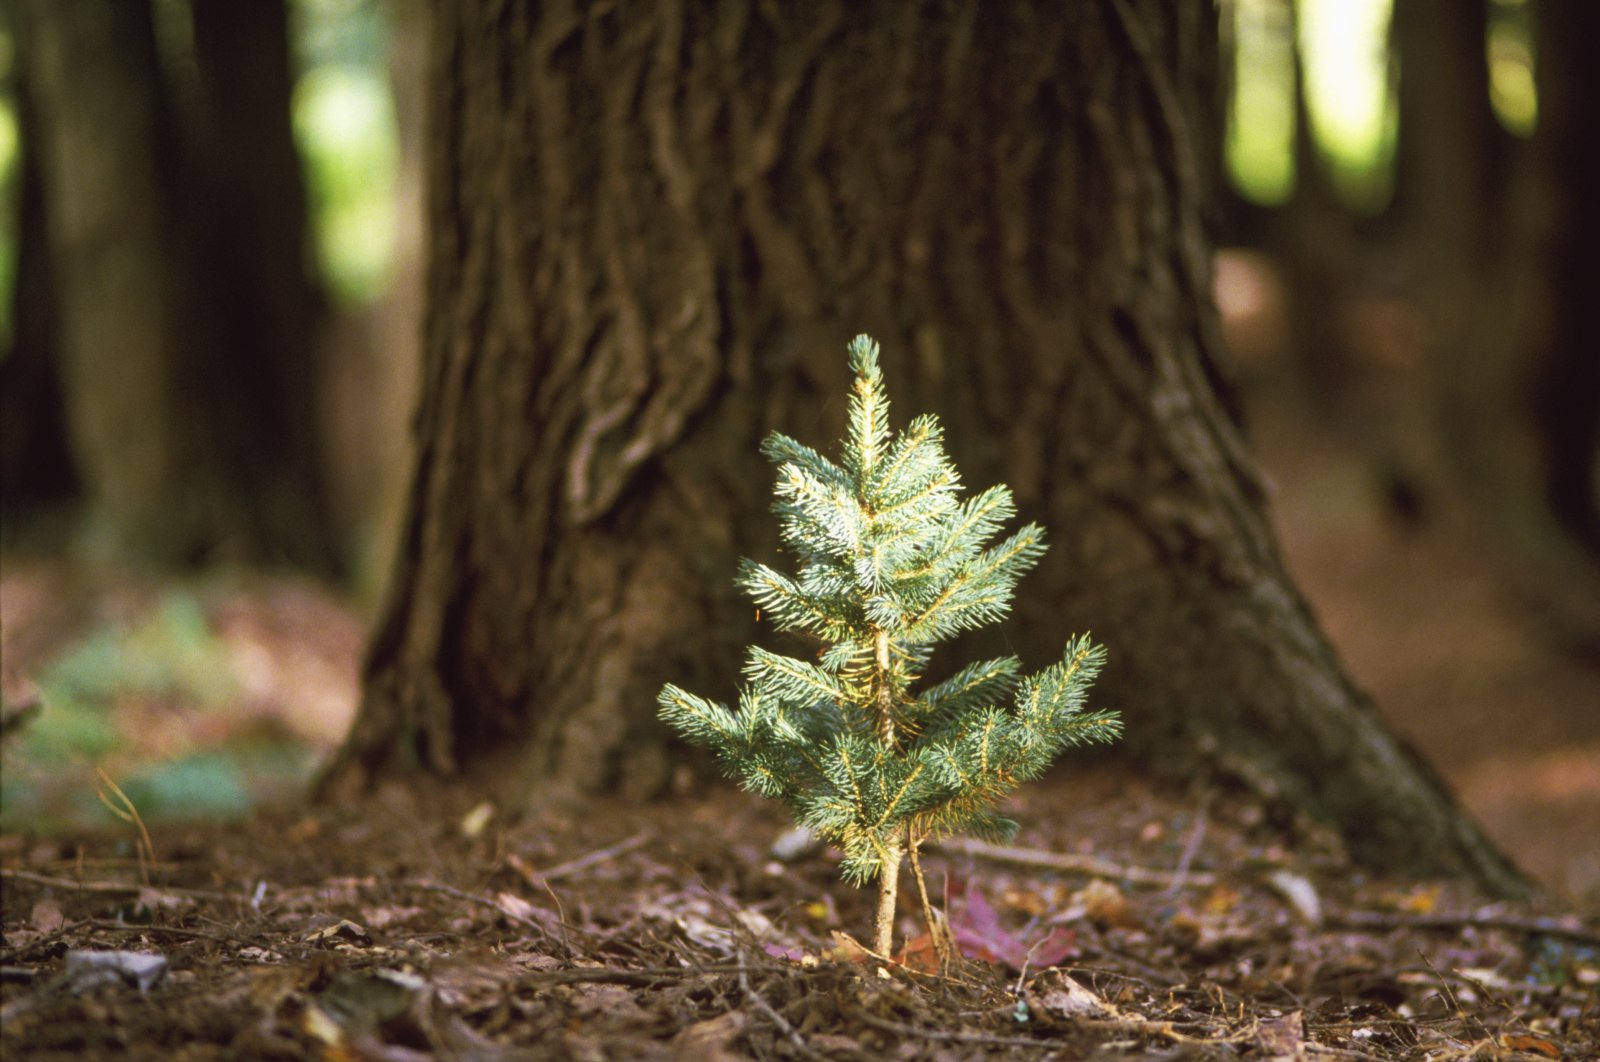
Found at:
[1127, 923]
[1135, 922]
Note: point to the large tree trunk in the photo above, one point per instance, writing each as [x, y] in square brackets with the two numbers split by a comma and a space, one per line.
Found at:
[181, 284]
[652, 236]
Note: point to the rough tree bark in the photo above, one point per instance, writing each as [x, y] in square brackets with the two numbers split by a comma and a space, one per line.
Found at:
[184, 305]
[652, 236]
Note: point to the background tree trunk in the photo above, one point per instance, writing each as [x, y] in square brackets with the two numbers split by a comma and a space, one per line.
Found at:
[1502, 241]
[35, 462]
[259, 369]
[652, 237]
[1320, 250]
[189, 417]
[1566, 384]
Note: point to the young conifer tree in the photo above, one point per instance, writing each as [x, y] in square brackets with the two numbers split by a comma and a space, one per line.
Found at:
[891, 561]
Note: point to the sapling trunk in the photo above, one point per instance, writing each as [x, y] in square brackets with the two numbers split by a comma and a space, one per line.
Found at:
[888, 899]
[892, 561]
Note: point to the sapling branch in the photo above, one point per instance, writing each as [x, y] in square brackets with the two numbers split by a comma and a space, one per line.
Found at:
[891, 562]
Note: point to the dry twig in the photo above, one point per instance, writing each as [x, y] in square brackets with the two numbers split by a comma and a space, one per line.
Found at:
[1079, 864]
[484, 901]
[1548, 927]
[572, 866]
[782, 1023]
[127, 812]
[642, 977]
[113, 888]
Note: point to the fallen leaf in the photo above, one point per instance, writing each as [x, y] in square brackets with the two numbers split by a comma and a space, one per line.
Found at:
[46, 916]
[615, 1001]
[795, 844]
[1524, 1042]
[1104, 902]
[1221, 900]
[847, 949]
[919, 954]
[821, 910]
[979, 935]
[1420, 900]
[1026, 901]
[1282, 1037]
[474, 821]
[304, 830]
[1063, 997]
[379, 917]
[515, 906]
[1301, 894]
[153, 900]
[710, 1040]
[707, 924]
[87, 969]
[343, 931]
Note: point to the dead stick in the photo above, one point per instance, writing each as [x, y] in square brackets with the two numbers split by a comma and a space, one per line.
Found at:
[572, 866]
[1548, 927]
[1080, 864]
[644, 977]
[114, 888]
[1191, 847]
[178, 931]
[484, 901]
[938, 932]
[949, 1037]
[773, 1016]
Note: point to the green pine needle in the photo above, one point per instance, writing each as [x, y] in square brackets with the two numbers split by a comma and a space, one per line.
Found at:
[891, 561]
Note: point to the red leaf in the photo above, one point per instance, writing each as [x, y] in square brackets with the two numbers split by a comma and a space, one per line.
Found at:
[979, 935]
[920, 954]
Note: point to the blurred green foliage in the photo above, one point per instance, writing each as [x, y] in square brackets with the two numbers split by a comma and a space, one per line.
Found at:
[1261, 116]
[10, 158]
[171, 655]
[1511, 85]
[344, 118]
[1343, 52]
[344, 121]
[157, 700]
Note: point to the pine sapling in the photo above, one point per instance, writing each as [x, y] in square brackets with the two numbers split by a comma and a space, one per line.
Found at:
[892, 560]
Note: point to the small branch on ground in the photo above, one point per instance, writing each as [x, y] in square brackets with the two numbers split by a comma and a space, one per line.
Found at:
[1548, 927]
[186, 934]
[484, 901]
[1190, 848]
[1077, 864]
[643, 977]
[782, 1023]
[114, 888]
[572, 866]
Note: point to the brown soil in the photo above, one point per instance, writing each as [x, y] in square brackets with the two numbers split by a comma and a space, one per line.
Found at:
[413, 927]
[1492, 673]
